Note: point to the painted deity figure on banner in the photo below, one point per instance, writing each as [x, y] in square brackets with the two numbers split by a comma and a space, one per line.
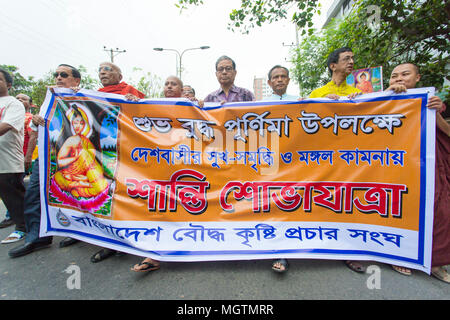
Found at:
[79, 174]
[364, 84]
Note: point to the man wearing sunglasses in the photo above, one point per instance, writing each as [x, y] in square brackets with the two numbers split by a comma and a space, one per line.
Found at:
[228, 92]
[65, 76]
[111, 78]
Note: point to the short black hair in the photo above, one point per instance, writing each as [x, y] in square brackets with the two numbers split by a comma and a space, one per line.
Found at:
[277, 67]
[8, 76]
[75, 72]
[226, 58]
[334, 57]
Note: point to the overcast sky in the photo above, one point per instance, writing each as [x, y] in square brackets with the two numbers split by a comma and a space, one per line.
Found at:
[38, 35]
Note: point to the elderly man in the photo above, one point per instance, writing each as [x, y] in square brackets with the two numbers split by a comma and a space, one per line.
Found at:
[111, 78]
[279, 80]
[406, 76]
[65, 76]
[340, 65]
[228, 92]
[12, 189]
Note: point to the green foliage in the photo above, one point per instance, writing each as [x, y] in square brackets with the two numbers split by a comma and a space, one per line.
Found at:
[20, 83]
[257, 12]
[149, 84]
[404, 31]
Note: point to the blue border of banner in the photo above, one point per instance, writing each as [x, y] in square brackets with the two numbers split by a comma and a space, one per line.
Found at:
[423, 176]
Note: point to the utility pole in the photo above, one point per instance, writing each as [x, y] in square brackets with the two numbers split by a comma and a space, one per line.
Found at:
[113, 52]
[296, 45]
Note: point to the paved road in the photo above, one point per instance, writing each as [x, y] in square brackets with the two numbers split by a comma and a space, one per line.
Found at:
[41, 275]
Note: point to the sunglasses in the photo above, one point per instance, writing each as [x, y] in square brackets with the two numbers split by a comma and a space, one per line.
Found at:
[106, 68]
[62, 74]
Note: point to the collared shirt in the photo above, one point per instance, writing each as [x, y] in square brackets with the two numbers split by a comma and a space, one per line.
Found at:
[236, 94]
[285, 96]
[331, 88]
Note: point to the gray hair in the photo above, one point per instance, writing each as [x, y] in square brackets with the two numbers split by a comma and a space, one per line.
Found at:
[226, 58]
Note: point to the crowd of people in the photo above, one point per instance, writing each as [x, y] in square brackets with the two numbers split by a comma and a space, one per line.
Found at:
[18, 139]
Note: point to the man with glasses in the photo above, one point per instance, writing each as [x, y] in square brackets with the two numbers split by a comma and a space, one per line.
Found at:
[65, 76]
[111, 78]
[340, 64]
[228, 92]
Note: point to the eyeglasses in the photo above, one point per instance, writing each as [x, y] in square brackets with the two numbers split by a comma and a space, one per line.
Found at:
[62, 74]
[106, 68]
[227, 69]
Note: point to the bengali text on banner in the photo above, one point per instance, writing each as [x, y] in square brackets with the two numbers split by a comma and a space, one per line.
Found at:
[312, 179]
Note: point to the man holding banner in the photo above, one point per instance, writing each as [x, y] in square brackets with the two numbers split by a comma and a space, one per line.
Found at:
[403, 77]
[65, 76]
[228, 92]
[340, 65]
[110, 76]
[173, 88]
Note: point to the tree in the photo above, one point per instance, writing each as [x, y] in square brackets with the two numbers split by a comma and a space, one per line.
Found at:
[20, 83]
[383, 33]
[149, 84]
[257, 12]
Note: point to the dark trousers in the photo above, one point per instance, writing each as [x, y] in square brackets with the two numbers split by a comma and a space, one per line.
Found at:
[32, 209]
[12, 192]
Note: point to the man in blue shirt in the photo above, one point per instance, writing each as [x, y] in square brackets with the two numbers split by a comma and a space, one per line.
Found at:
[279, 81]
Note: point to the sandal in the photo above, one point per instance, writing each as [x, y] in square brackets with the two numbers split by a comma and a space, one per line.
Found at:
[441, 274]
[14, 237]
[102, 255]
[280, 265]
[355, 266]
[148, 266]
[404, 271]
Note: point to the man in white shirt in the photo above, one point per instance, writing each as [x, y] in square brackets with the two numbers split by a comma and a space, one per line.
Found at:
[279, 81]
[12, 189]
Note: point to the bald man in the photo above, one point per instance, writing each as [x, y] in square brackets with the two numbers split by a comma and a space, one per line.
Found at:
[110, 76]
[406, 76]
[173, 87]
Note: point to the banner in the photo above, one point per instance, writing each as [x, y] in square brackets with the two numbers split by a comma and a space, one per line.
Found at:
[318, 178]
[368, 80]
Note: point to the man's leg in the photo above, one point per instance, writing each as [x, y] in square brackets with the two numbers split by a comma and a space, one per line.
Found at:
[12, 192]
[32, 210]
